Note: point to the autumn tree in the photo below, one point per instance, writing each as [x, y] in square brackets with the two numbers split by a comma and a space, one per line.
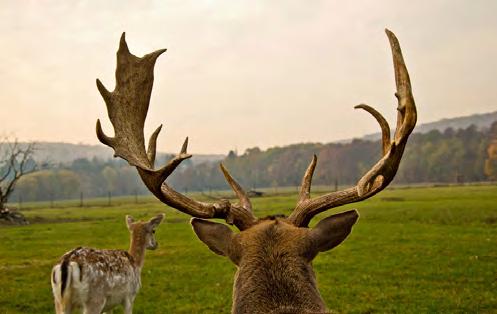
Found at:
[491, 161]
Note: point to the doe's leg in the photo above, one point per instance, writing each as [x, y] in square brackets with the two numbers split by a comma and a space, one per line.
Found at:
[94, 306]
[68, 309]
[128, 306]
[58, 307]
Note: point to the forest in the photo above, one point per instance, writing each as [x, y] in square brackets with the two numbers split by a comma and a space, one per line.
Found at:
[451, 156]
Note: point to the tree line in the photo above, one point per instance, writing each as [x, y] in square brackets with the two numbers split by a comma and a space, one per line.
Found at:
[443, 157]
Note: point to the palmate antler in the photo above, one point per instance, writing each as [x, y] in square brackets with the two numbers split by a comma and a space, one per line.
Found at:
[127, 107]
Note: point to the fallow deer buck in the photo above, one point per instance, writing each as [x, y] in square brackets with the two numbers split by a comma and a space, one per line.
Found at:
[273, 255]
[99, 280]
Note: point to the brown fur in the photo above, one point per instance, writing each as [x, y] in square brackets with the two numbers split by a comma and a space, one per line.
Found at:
[275, 273]
[140, 234]
[274, 260]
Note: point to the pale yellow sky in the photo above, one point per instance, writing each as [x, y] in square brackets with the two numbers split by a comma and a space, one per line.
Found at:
[239, 74]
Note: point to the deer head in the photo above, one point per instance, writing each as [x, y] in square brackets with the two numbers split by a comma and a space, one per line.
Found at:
[144, 232]
[273, 254]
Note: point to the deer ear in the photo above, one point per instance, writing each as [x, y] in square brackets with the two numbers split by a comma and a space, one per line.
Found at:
[218, 237]
[154, 222]
[331, 231]
[129, 221]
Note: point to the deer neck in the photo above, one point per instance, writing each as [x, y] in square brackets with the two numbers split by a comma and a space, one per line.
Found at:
[137, 248]
[283, 285]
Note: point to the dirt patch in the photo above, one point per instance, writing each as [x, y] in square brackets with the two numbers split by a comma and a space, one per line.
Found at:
[491, 220]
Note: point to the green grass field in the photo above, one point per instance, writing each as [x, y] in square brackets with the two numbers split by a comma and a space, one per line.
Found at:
[420, 250]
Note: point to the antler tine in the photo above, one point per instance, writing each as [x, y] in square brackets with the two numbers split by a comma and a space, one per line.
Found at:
[407, 115]
[240, 193]
[127, 107]
[154, 179]
[385, 128]
[383, 172]
[305, 187]
[152, 146]
[239, 213]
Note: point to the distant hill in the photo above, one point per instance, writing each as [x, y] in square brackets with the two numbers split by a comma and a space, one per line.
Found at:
[481, 121]
[65, 153]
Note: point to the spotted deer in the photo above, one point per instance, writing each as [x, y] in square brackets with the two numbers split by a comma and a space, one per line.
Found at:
[99, 280]
[273, 255]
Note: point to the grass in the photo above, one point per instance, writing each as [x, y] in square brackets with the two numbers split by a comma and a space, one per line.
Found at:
[419, 250]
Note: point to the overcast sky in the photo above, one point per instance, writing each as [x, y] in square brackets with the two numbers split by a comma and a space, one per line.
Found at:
[239, 74]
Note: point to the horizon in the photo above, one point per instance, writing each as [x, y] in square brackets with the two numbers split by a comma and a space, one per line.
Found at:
[364, 137]
[244, 74]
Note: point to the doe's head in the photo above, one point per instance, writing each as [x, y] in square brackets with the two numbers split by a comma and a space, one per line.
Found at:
[144, 230]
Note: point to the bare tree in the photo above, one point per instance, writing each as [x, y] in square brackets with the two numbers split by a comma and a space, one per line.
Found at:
[16, 160]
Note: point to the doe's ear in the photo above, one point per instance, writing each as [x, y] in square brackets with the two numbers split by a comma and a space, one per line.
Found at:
[154, 222]
[129, 221]
[331, 231]
[215, 235]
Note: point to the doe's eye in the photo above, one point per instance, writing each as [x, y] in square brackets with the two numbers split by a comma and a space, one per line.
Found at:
[153, 231]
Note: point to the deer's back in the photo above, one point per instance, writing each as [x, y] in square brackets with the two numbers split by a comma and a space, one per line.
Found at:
[102, 273]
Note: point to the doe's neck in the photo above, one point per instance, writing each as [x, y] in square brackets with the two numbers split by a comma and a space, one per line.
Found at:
[137, 247]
